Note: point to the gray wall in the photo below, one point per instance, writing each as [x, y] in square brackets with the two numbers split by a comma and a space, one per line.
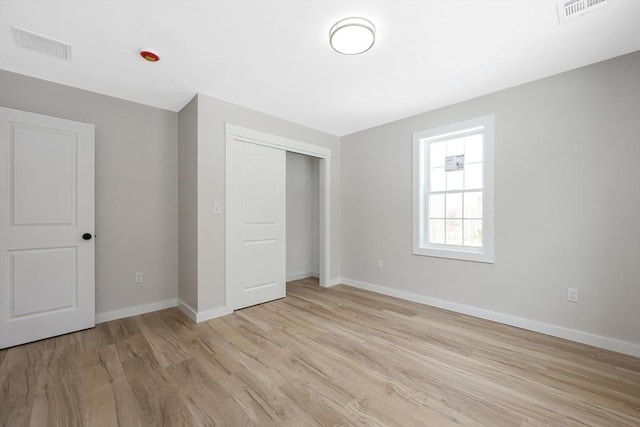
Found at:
[188, 202]
[567, 203]
[302, 216]
[136, 186]
[213, 114]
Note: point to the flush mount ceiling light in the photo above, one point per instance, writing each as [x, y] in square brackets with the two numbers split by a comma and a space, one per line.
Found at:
[352, 36]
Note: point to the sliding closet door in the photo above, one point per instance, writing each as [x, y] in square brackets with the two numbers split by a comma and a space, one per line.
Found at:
[256, 223]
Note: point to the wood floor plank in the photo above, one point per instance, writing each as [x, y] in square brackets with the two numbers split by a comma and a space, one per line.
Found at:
[336, 356]
[19, 378]
[110, 404]
[57, 406]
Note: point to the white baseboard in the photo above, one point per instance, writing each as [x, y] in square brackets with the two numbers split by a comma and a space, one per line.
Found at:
[212, 314]
[301, 276]
[135, 310]
[186, 309]
[333, 282]
[203, 315]
[507, 319]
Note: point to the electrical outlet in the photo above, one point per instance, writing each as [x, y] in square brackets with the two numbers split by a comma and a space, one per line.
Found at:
[139, 278]
[380, 264]
[572, 294]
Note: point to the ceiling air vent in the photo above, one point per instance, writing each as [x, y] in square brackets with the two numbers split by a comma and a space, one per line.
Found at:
[41, 44]
[569, 9]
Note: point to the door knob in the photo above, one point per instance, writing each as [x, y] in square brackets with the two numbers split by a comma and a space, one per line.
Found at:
[86, 236]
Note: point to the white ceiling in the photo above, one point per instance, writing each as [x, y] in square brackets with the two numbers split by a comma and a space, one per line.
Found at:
[274, 56]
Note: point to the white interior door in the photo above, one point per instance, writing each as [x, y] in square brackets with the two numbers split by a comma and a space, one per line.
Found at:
[256, 223]
[46, 206]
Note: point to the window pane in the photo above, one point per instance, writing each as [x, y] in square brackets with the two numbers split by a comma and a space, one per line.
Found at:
[473, 205]
[473, 232]
[473, 148]
[454, 180]
[436, 231]
[436, 206]
[455, 147]
[454, 232]
[438, 151]
[472, 176]
[438, 179]
[454, 205]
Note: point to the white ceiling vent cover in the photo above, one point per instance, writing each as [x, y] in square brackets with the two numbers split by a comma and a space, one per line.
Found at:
[569, 9]
[41, 44]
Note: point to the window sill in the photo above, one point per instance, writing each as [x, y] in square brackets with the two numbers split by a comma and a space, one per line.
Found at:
[455, 253]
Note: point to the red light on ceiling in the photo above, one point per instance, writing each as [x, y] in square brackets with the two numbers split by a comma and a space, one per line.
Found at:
[149, 55]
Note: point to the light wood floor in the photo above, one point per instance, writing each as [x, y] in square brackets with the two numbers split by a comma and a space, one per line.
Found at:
[337, 356]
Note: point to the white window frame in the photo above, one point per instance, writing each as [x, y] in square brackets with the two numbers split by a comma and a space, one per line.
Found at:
[421, 245]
